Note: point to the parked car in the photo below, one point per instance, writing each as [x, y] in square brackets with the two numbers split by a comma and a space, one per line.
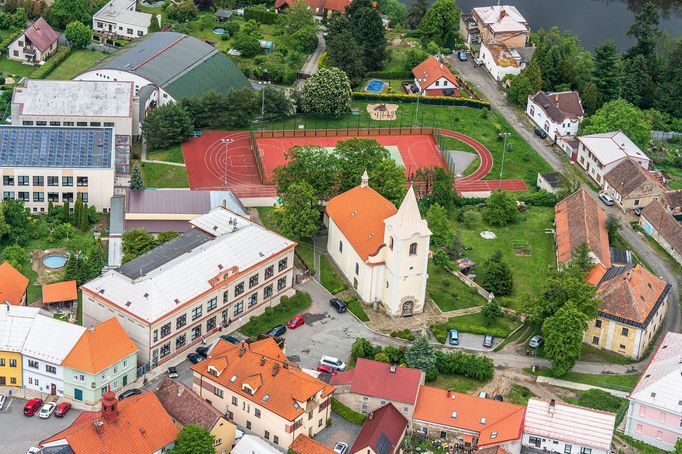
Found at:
[499, 397]
[341, 448]
[337, 304]
[334, 363]
[230, 339]
[462, 55]
[195, 358]
[488, 340]
[172, 372]
[295, 322]
[638, 211]
[478, 61]
[2, 400]
[453, 337]
[536, 341]
[129, 393]
[32, 406]
[326, 370]
[46, 410]
[608, 201]
[540, 133]
[483, 395]
[277, 331]
[203, 351]
[62, 409]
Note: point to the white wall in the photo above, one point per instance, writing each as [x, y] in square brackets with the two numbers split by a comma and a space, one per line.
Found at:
[440, 84]
[45, 379]
[498, 72]
[346, 261]
[553, 129]
[554, 445]
[115, 74]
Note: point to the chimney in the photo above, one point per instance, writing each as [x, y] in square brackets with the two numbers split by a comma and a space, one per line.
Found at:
[285, 364]
[552, 403]
[109, 406]
[449, 392]
[556, 98]
[275, 369]
[262, 360]
[371, 415]
[242, 350]
[393, 368]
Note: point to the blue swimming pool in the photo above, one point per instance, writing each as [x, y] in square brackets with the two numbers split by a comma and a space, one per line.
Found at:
[54, 261]
[219, 31]
[375, 86]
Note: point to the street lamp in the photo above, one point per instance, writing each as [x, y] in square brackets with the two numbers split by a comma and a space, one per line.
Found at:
[504, 149]
[226, 142]
[262, 105]
[416, 116]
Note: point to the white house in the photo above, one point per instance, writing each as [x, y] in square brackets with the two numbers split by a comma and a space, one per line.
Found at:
[501, 60]
[48, 343]
[119, 18]
[38, 42]
[554, 426]
[382, 251]
[599, 153]
[433, 78]
[558, 114]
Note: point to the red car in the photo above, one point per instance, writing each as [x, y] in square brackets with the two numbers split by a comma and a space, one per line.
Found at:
[326, 370]
[32, 406]
[295, 322]
[62, 409]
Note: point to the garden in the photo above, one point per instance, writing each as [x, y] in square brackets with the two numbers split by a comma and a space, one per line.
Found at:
[287, 308]
[449, 292]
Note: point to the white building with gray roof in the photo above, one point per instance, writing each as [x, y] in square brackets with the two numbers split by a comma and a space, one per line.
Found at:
[118, 18]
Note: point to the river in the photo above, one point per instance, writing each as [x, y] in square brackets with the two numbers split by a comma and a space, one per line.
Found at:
[593, 21]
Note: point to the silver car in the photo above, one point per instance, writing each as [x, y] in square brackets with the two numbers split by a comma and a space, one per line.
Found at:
[536, 341]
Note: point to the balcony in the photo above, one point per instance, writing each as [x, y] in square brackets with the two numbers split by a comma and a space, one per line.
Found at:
[30, 51]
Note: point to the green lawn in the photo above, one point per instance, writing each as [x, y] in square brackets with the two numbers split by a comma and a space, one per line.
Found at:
[530, 271]
[624, 382]
[519, 395]
[356, 308]
[76, 63]
[281, 313]
[346, 413]
[172, 154]
[448, 292]
[476, 324]
[330, 277]
[593, 354]
[14, 68]
[305, 248]
[164, 176]
[457, 383]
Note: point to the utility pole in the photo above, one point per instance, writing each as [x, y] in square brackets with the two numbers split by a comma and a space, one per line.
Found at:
[504, 150]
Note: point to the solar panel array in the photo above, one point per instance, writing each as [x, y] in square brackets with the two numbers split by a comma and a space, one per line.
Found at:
[383, 445]
[55, 147]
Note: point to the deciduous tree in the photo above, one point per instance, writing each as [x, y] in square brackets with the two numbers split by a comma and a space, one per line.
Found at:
[194, 439]
[442, 232]
[416, 13]
[62, 12]
[78, 34]
[182, 11]
[388, 179]
[326, 92]
[582, 258]
[563, 334]
[559, 288]
[16, 256]
[501, 208]
[619, 115]
[167, 125]
[136, 242]
[495, 275]
[439, 22]
[299, 216]
[491, 310]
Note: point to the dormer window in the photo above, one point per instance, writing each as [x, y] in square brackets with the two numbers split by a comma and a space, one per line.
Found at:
[247, 389]
[213, 371]
[296, 405]
[493, 435]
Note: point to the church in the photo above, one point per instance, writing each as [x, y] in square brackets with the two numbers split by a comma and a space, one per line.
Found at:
[381, 250]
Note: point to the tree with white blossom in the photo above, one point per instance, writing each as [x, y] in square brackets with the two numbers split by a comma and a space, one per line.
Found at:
[327, 92]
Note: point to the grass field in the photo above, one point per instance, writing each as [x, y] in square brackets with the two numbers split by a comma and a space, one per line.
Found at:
[475, 324]
[330, 277]
[519, 395]
[76, 63]
[624, 382]
[448, 292]
[346, 413]
[15, 68]
[172, 154]
[457, 383]
[281, 313]
[164, 176]
[356, 308]
[529, 271]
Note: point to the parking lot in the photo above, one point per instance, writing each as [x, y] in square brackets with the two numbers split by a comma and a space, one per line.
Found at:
[20, 432]
[470, 341]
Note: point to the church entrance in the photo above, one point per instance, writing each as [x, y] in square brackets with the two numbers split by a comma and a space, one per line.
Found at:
[408, 307]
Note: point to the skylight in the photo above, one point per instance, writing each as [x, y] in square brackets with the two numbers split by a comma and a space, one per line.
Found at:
[266, 397]
[483, 420]
[453, 414]
[233, 378]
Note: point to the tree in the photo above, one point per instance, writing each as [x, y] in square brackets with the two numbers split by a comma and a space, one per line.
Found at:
[78, 34]
[495, 275]
[454, 249]
[136, 180]
[639, 87]
[619, 115]
[356, 156]
[95, 260]
[365, 23]
[529, 81]
[491, 311]
[296, 17]
[421, 355]
[413, 57]
[311, 164]
[326, 92]
[18, 219]
[678, 446]
[362, 348]
[613, 225]
[396, 12]
[136, 242]
[608, 71]
[416, 13]
[345, 53]
[299, 216]
[501, 208]
[645, 29]
[247, 43]
[439, 22]
[83, 220]
[441, 230]
[559, 288]
[16, 256]
[671, 82]
[4, 226]
[63, 12]
[381, 357]
[582, 258]
[154, 24]
[164, 237]
[167, 125]
[182, 11]
[388, 179]
[563, 333]
[592, 99]
[194, 439]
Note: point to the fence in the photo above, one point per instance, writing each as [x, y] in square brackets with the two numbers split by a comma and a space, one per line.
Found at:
[666, 136]
[469, 282]
[341, 131]
[257, 154]
[430, 100]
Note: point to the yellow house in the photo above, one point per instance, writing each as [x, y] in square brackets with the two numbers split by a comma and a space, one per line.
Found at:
[633, 304]
[15, 323]
[186, 407]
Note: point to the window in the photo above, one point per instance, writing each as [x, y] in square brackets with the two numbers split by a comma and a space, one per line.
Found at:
[636, 202]
[218, 392]
[535, 441]
[7, 195]
[597, 323]
[95, 123]
[53, 197]
[25, 196]
[253, 281]
[67, 196]
[165, 330]
[217, 441]
[82, 181]
[281, 283]
[156, 335]
[257, 413]
[196, 332]
[210, 323]
[108, 124]
[413, 249]
[266, 435]
[81, 123]
[38, 196]
[625, 331]
[55, 123]
[357, 268]
[212, 304]
[180, 341]
[180, 321]
[269, 271]
[239, 289]
[84, 196]
[239, 308]
[23, 180]
[390, 244]
[196, 312]
[130, 31]
[253, 299]
[567, 449]
[16, 53]
[595, 340]
[267, 291]
[33, 364]
[38, 181]
[234, 401]
[225, 297]
[67, 181]
[319, 423]
[622, 346]
[139, 33]
[13, 380]
[50, 369]
[8, 180]
[2, 362]
[275, 439]
[248, 425]
[341, 246]
[27, 123]
[165, 350]
[282, 264]
[585, 450]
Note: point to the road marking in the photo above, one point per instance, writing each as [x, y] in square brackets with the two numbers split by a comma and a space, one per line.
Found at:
[9, 403]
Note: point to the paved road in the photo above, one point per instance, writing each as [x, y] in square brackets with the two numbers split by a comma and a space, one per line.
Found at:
[310, 66]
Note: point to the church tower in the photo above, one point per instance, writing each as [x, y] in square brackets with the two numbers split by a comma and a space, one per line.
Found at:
[407, 237]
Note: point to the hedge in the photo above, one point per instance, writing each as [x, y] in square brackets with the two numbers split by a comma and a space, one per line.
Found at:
[389, 75]
[9, 39]
[436, 100]
[346, 413]
[260, 15]
[49, 66]
[403, 334]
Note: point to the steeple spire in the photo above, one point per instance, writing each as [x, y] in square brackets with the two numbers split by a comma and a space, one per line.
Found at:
[408, 221]
[364, 182]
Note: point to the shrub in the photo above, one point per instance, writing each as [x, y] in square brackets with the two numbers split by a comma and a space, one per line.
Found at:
[269, 311]
[431, 374]
[403, 334]
[260, 15]
[49, 66]
[346, 413]
[470, 365]
[599, 400]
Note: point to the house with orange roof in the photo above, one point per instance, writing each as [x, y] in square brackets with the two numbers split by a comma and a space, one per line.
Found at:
[13, 285]
[303, 444]
[433, 78]
[633, 305]
[320, 8]
[381, 250]
[60, 293]
[138, 424]
[261, 392]
[104, 358]
[474, 422]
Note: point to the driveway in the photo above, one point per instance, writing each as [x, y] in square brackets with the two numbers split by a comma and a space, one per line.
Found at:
[340, 430]
[474, 342]
[20, 432]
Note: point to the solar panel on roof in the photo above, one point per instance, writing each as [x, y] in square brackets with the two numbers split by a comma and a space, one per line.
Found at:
[383, 445]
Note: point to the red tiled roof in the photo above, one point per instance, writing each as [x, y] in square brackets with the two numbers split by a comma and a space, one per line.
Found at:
[186, 406]
[303, 444]
[100, 347]
[13, 284]
[430, 70]
[59, 292]
[318, 6]
[384, 424]
[374, 378]
[41, 34]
